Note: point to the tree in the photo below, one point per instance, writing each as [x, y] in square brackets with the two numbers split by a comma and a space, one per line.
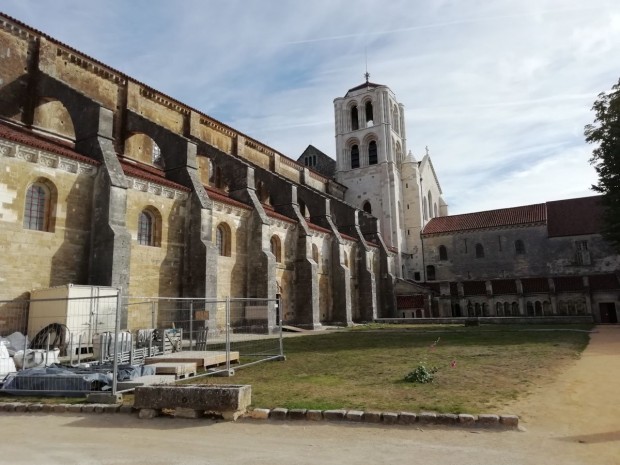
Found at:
[605, 133]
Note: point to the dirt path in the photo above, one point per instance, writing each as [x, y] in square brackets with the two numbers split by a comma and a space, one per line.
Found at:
[582, 405]
[573, 421]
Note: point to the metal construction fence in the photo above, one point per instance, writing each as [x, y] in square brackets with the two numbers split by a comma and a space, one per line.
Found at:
[74, 340]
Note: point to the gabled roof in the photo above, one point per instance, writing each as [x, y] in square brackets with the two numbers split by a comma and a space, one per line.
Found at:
[574, 217]
[427, 159]
[503, 217]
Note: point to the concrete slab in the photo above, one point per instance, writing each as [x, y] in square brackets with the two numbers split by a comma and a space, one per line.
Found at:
[208, 358]
[148, 380]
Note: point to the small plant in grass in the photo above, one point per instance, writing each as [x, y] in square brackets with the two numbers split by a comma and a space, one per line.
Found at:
[423, 374]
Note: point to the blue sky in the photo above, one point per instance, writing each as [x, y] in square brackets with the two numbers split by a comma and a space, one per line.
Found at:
[499, 91]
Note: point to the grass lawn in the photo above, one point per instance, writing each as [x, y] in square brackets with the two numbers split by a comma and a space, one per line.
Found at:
[365, 368]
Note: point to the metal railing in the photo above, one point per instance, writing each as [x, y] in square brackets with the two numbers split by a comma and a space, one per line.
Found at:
[78, 340]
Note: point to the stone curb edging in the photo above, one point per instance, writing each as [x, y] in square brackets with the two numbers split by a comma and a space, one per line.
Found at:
[506, 422]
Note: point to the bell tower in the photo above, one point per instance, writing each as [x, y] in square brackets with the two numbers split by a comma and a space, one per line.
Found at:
[370, 148]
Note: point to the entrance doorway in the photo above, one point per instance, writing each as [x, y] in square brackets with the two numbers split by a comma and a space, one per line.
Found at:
[608, 313]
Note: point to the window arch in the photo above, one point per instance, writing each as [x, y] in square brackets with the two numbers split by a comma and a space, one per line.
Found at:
[355, 125]
[276, 248]
[39, 206]
[369, 115]
[367, 207]
[430, 273]
[372, 153]
[443, 253]
[355, 156]
[223, 239]
[519, 247]
[430, 204]
[149, 224]
[51, 115]
[479, 251]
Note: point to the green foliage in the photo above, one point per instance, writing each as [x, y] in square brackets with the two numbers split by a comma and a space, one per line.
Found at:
[604, 132]
[421, 374]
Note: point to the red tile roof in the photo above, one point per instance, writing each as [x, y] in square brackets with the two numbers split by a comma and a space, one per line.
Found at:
[316, 227]
[533, 285]
[603, 282]
[528, 214]
[148, 173]
[221, 196]
[274, 214]
[474, 288]
[568, 283]
[504, 286]
[404, 302]
[574, 217]
[27, 137]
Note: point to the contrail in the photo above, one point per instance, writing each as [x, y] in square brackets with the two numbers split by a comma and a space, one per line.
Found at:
[441, 24]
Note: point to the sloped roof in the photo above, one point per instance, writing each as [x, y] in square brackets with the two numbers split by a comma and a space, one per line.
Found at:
[574, 217]
[27, 137]
[503, 217]
[148, 173]
[369, 85]
[603, 282]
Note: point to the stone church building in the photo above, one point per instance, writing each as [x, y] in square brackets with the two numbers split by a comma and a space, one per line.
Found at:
[107, 181]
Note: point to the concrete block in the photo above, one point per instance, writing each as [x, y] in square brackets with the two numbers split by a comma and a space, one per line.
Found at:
[7, 407]
[447, 419]
[35, 407]
[427, 418]
[355, 415]
[260, 414]
[104, 398]
[314, 415]
[148, 413]
[21, 407]
[509, 421]
[60, 408]
[278, 414]
[334, 415]
[88, 408]
[111, 408]
[487, 420]
[74, 408]
[372, 417]
[126, 408]
[407, 418]
[98, 408]
[466, 419]
[389, 418]
[297, 414]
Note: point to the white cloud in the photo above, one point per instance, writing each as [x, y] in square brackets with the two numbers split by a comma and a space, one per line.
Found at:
[499, 91]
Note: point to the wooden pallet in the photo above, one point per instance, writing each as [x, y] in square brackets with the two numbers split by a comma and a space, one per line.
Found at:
[206, 359]
[147, 380]
[180, 370]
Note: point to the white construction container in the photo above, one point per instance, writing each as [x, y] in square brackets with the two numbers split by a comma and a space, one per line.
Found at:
[84, 310]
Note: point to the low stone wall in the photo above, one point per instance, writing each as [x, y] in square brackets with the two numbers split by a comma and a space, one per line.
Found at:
[493, 320]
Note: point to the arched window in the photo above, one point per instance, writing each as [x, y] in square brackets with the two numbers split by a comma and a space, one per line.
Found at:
[430, 204]
[530, 309]
[538, 309]
[367, 207]
[37, 209]
[354, 119]
[372, 153]
[499, 309]
[147, 228]
[507, 309]
[430, 273]
[369, 117]
[515, 309]
[395, 121]
[276, 248]
[519, 247]
[355, 157]
[425, 209]
[222, 239]
[443, 252]
[479, 251]
[315, 253]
